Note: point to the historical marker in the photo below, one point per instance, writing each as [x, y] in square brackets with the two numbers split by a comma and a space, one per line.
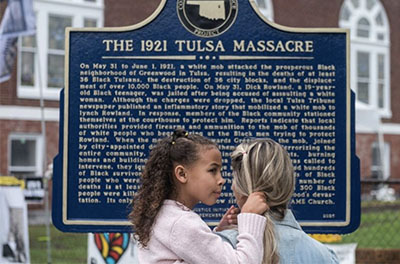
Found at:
[217, 68]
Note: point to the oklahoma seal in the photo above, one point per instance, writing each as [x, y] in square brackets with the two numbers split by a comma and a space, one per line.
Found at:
[207, 18]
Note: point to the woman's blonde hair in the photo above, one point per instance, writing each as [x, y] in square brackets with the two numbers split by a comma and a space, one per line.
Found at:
[263, 165]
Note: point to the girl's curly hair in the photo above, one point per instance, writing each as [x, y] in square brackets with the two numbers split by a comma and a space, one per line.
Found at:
[157, 178]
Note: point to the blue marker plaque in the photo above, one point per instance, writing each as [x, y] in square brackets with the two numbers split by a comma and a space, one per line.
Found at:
[217, 68]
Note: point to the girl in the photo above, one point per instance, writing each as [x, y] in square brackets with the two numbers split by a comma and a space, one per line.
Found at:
[181, 171]
[263, 165]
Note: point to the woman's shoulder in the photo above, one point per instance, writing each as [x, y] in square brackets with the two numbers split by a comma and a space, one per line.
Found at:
[311, 249]
[295, 244]
[298, 247]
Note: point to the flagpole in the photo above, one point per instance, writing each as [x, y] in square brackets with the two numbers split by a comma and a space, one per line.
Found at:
[44, 145]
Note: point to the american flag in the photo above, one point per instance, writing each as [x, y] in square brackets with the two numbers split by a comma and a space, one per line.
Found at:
[18, 20]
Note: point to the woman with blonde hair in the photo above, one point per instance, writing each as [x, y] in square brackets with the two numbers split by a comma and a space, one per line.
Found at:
[263, 165]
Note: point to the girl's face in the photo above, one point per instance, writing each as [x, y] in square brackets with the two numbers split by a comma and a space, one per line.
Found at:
[203, 178]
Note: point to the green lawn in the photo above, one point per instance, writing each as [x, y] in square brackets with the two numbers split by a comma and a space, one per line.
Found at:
[66, 248]
[378, 229]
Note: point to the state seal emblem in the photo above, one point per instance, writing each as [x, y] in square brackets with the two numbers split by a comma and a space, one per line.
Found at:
[207, 18]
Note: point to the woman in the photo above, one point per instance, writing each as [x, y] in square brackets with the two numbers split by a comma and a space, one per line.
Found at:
[263, 165]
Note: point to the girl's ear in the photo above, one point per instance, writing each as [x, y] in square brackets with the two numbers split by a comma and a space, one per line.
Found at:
[180, 174]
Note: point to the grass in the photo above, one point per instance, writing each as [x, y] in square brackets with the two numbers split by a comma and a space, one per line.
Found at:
[378, 229]
[66, 248]
[376, 204]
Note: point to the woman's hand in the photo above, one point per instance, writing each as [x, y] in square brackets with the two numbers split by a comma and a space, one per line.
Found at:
[256, 203]
[229, 218]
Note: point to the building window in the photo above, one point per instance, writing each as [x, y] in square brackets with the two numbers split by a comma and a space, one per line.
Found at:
[55, 57]
[266, 8]
[41, 57]
[370, 52]
[28, 53]
[363, 28]
[380, 167]
[363, 78]
[90, 22]
[25, 158]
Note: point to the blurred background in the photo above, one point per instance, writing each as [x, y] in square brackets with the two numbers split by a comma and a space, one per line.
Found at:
[32, 75]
